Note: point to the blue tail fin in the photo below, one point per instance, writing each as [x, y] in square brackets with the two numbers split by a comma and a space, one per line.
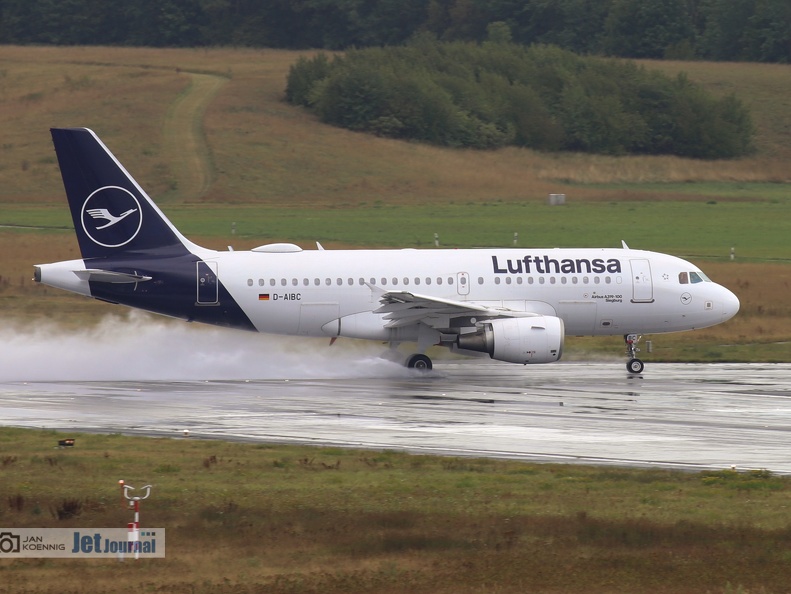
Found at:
[112, 214]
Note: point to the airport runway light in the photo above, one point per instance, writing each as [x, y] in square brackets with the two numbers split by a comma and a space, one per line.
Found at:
[132, 502]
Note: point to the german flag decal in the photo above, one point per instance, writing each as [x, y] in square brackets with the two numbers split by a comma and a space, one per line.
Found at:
[263, 296]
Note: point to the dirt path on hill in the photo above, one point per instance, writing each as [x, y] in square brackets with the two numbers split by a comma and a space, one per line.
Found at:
[184, 143]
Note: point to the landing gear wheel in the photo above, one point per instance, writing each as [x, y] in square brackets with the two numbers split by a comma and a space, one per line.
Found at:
[635, 366]
[419, 362]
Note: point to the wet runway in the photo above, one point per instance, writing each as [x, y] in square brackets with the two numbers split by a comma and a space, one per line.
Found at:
[692, 416]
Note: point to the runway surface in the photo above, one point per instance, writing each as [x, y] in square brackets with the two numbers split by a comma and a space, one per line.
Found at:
[691, 416]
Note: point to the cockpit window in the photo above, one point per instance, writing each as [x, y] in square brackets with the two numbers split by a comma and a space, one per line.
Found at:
[685, 278]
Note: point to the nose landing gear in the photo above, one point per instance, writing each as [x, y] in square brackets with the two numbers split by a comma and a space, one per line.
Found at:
[634, 365]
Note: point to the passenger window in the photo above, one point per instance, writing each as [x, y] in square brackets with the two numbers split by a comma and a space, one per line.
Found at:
[683, 278]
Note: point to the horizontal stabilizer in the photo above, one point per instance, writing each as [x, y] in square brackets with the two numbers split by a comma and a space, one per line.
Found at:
[108, 276]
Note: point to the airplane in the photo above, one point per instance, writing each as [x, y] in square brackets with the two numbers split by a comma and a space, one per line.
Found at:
[516, 305]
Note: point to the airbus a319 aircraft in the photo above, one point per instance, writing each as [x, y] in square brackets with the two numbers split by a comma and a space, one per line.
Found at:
[516, 305]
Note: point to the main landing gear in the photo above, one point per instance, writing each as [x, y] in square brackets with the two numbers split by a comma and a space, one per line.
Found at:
[634, 365]
[420, 362]
[417, 361]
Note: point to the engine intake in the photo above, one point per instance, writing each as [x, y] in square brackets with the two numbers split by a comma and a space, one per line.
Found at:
[537, 339]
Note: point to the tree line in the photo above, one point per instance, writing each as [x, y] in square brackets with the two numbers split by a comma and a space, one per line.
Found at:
[746, 30]
[498, 93]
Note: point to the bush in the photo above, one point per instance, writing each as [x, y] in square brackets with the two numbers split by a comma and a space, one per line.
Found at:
[495, 94]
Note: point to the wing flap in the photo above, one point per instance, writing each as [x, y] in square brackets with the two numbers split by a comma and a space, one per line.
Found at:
[402, 308]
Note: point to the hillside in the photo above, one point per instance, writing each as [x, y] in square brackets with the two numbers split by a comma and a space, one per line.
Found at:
[259, 149]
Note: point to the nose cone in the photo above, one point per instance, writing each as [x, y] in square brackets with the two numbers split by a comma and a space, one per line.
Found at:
[730, 304]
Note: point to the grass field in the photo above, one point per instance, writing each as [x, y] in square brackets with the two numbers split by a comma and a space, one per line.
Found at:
[245, 518]
[207, 133]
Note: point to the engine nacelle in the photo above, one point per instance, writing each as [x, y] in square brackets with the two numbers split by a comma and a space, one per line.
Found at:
[537, 339]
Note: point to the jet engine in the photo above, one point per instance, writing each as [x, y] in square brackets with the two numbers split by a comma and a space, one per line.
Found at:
[536, 339]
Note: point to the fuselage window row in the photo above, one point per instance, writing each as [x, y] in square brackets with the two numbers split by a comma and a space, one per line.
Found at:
[406, 281]
[350, 281]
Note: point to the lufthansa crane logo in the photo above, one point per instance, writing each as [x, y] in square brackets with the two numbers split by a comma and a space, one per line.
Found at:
[111, 216]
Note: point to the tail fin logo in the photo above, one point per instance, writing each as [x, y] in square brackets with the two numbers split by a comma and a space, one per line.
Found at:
[103, 213]
[111, 216]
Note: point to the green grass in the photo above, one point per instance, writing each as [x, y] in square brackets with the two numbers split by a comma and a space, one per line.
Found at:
[696, 229]
[757, 191]
[265, 517]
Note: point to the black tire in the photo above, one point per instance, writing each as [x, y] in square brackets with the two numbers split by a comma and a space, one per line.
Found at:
[419, 362]
[635, 366]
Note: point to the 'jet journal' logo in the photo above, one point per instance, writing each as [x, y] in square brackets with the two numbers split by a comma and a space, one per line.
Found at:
[111, 216]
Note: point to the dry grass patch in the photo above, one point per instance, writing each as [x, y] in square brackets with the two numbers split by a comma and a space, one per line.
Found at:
[266, 518]
[263, 150]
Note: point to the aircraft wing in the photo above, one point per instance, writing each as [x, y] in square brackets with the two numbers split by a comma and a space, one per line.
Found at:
[403, 308]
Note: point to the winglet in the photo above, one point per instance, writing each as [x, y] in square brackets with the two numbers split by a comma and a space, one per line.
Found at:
[623, 243]
[377, 291]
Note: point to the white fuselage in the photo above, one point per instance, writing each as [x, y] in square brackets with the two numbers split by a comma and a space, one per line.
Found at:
[594, 291]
